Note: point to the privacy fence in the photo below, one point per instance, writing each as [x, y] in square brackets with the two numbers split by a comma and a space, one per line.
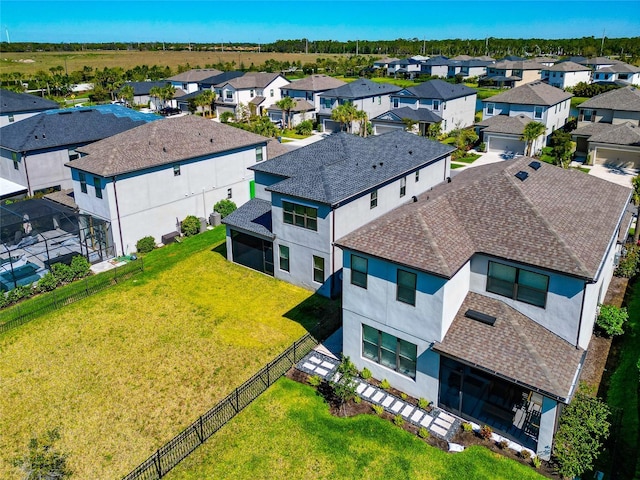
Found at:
[16, 315]
[177, 449]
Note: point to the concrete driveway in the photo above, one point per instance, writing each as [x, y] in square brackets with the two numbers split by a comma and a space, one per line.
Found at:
[614, 173]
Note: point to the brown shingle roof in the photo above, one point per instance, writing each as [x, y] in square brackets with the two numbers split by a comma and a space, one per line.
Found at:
[623, 134]
[315, 83]
[626, 98]
[518, 65]
[252, 80]
[505, 124]
[560, 220]
[162, 142]
[514, 347]
[568, 67]
[534, 93]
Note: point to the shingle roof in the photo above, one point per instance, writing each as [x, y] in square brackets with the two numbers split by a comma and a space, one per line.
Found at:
[621, 134]
[488, 210]
[442, 90]
[300, 106]
[626, 98]
[534, 93]
[568, 67]
[315, 83]
[361, 88]
[439, 60]
[505, 124]
[387, 60]
[195, 75]
[252, 80]
[518, 65]
[160, 143]
[254, 216]
[12, 102]
[221, 78]
[344, 165]
[418, 115]
[514, 347]
[257, 100]
[57, 128]
[620, 68]
[144, 88]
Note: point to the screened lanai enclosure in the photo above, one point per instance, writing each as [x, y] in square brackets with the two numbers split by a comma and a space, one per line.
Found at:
[35, 234]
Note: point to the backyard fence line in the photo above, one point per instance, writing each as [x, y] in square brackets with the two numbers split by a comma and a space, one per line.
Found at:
[180, 447]
[22, 313]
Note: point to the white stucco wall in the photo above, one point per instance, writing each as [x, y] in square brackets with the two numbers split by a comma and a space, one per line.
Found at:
[4, 118]
[458, 113]
[44, 169]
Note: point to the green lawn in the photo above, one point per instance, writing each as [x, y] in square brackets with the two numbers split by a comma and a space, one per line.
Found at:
[288, 433]
[468, 158]
[576, 101]
[485, 92]
[400, 82]
[121, 372]
[457, 165]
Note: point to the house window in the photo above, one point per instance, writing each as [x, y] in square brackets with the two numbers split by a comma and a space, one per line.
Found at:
[395, 103]
[83, 182]
[373, 202]
[176, 170]
[537, 112]
[406, 291]
[271, 92]
[98, 186]
[300, 216]
[284, 258]
[318, 269]
[14, 156]
[259, 157]
[389, 351]
[73, 155]
[229, 193]
[228, 94]
[11, 119]
[436, 105]
[490, 107]
[403, 186]
[379, 100]
[518, 284]
[359, 270]
[588, 115]
[417, 176]
[252, 93]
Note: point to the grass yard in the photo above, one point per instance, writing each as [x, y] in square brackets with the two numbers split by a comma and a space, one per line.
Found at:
[288, 432]
[121, 372]
[468, 158]
[576, 101]
[400, 82]
[457, 165]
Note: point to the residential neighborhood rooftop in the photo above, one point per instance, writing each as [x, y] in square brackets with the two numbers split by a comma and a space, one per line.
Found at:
[254, 216]
[251, 80]
[568, 67]
[534, 93]
[315, 83]
[12, 102]
[505, 124]
[440, 89]
[417, 115]
[195, 75]
[361, 88]
[625, 98]
[144, 88]
[619, 134]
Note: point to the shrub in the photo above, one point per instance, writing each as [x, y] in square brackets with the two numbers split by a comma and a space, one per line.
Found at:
[403, 396]
[485, 432]
[378, 409]
[524, 453]
[467, 427]
[357, 399]
[482, 147]
[80, 266]
[47, 283]
[611, 319]
[304, 128]
[19, 293]
[423, 403]
[4, 302]
[384, 384]
[314, 381]
[62, 272]
[190, 226]
[503, 444]
[536, 462]
[423, 433]
[226, 116]
[629, 263]
[225, 207]
[365, 374]
[145, 244]
[398, 420]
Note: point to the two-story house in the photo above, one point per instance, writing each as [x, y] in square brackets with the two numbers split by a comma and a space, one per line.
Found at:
[609, 128]
[146, 180]
[566, 74]
[307, 198]
[191, 80]
[407, 68]
[619, 72]
[250, 94]
[452, 105]
[142, 93]
[512, 73]
[33, 151]
[383, 63]
[371, 97]
[481, 296]
[505, 115]
[18, 106]
[468, 67]
[436, 66]
[208, 83]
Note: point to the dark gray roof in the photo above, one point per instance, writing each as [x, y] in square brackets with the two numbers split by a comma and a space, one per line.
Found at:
[299, 106]
[568, 67]
[622, 134]
[503, 78]
[12, 102]
[440, 89]
[439, 60]
[626, 98]
[195, 75]
[620, 68]
[504, 124]
[419, 115]
[361, 88]
[144, 88]
[315, 83]
[220, 78]
[488, 210]
[514, 347]
[534, 93]
[66, 127]
[343, 165]
[160, 143]
[254, 216]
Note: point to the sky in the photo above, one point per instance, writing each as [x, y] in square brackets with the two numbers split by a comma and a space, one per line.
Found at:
[203, 21]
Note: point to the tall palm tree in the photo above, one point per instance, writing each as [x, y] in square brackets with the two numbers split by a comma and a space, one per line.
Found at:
[530, 133]
[156, 92]
[205, 100]
[635, 197]
[361, 117]
[126, 94]
[345, 114]
[286, 104]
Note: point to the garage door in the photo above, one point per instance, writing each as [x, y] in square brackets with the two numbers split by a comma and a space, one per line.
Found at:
[504, 144]
[330, 126]
[619, 158]
[380, 129]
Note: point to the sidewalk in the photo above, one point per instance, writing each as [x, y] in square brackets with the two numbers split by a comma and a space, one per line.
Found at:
[294, 143]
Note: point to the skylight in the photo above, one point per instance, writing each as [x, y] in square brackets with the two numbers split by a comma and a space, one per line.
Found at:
[522, 176]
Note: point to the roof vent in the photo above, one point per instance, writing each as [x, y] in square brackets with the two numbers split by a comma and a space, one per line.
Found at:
[164, 149]
[381, 163]
[414, 198]
[374, 167]
[211, 140]
[535, 165]
[410, 152]
[480, 317]
[522, 176]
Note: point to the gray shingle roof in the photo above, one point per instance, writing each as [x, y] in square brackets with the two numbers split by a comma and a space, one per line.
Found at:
[505, 124]
[515, 347]
[315, 83]
[620, 68]
[534, 93]
[442, 90]
[622, 134]
[488, 210]
[12, 102]
[626, 98]
[195, 75]
[254, 216]
[300, 106]
[67, 127]
[568, 67]
[344, 165]
[252, 80]
[418, 115]
[361, 88]
[144, 88]
[518, 65]
[160, 143]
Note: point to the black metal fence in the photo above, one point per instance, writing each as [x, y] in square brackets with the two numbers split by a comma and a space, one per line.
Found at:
[14, 316]
[177, 449]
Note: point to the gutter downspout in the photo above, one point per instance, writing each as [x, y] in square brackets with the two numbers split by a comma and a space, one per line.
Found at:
[584, 295]
[26, 171]
[333, 252]
[115, 194]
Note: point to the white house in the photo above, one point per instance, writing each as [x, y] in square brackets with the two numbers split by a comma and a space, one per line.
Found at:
[436, 66]
[513, 73]
[145, 181]
[190, 80]
[18, 106]
[311, 196]
[566, 74]
[481, 296]
[619, 72]
[310, 88]
[249, 94]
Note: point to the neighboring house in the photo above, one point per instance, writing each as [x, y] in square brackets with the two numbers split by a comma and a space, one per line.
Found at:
[468, 68]
[408, 67]
[370, 97]
[482, 295]
[566, 74]
[384, 62]
[436, 66]
[33, 151]
[397, 119]
[301, 111]
[620, 73]
[208, 83]
[142, 93]
[545, 61]
[250, 94]
[608, 128]
[538, 101]
[513, 73]
[309, 197]
[503, 133]
[191, 80]
[18, 106]
[309, 88]
[145, 181]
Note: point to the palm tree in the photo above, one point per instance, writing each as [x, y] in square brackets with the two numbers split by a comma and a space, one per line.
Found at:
[361, 117]
[167, 93]
[205, 100]
[126, 94]
[345, 114]
[155, 92]
[530, 133]
[635, 197]
[286, 104]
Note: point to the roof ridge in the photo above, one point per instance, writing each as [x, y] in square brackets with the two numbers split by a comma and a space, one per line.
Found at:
[427, 231]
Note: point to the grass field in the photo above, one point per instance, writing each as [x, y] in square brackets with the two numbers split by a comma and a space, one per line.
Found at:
[288, 433]
[121, 372]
